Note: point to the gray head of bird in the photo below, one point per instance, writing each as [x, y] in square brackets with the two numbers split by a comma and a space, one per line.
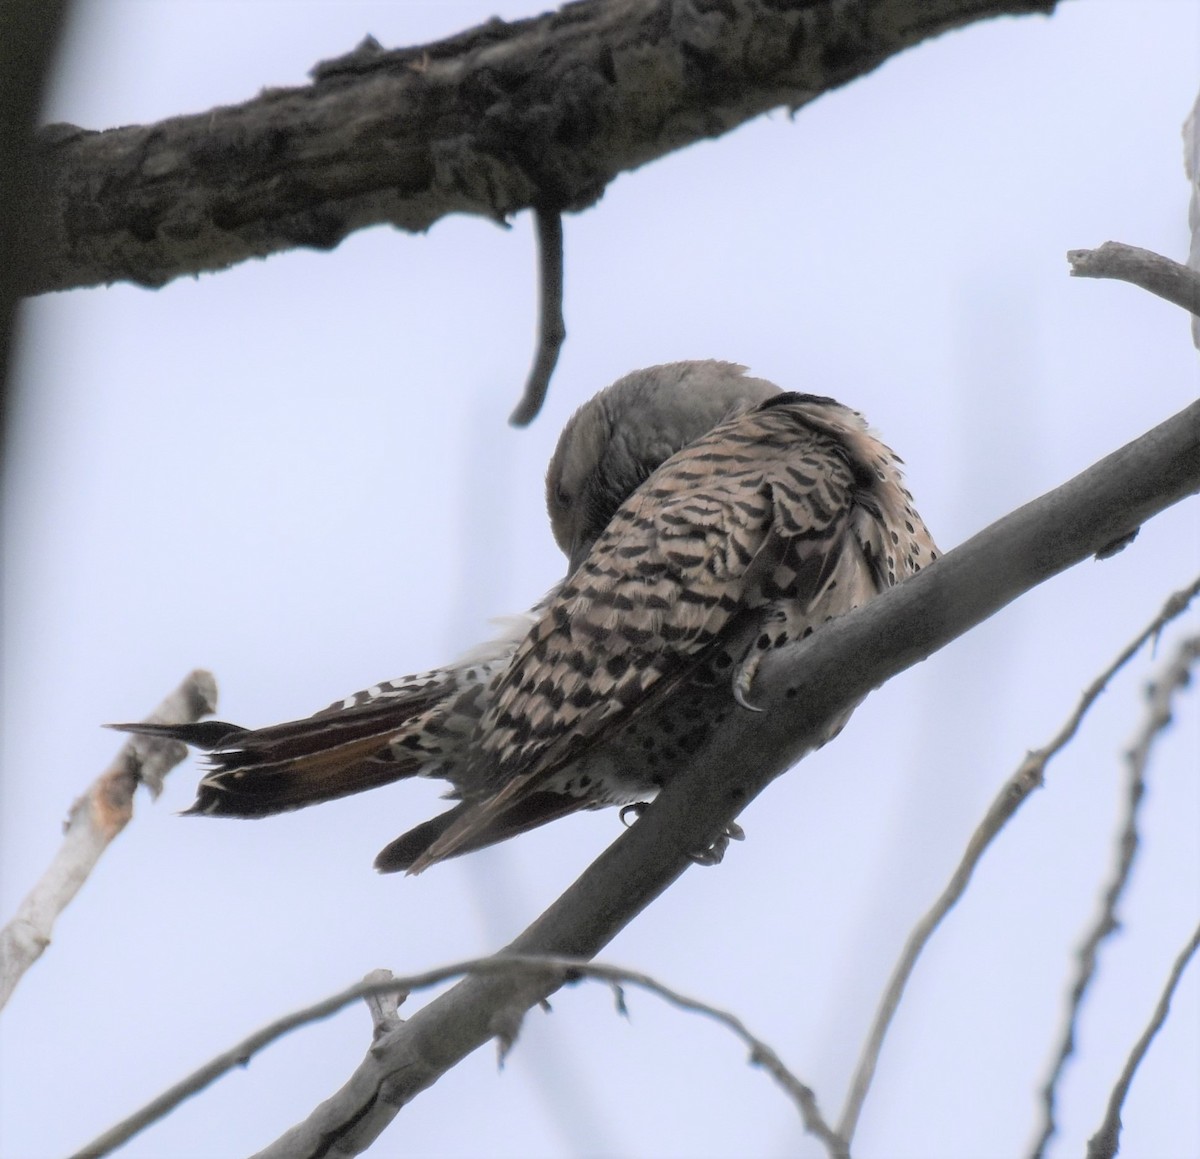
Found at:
[615, 441]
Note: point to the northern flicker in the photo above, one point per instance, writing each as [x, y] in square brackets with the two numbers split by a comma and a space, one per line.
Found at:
[425, 724]
[775, 521]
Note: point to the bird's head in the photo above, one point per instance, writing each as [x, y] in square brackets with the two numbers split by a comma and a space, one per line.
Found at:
[614, 442]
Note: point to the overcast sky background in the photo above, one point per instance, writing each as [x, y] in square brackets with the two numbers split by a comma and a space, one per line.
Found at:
[298, 474]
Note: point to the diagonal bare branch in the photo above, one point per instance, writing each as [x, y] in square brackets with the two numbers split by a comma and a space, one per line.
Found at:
[1103, 1144]
[1029, 776]
[94, 821]
[1161, 692]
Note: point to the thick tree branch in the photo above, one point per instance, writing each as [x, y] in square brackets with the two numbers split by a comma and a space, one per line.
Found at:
[497, 119]
[800, 688]
[93, 823]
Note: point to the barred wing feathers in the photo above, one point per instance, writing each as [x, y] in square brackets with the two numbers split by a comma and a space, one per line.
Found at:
[758, 510]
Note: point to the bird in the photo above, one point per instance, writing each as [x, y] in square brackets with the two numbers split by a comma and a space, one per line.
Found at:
[423, 724]
[747, 539]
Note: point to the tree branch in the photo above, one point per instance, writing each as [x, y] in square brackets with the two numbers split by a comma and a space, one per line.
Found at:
[29, 35]
[1170, 280]
[552, 330]
[1161, 692]
[381, 985]
[94, 821]
[1012, 795]
[800, 687]
[1191, 167]
[1103, 1144]
[497, 119]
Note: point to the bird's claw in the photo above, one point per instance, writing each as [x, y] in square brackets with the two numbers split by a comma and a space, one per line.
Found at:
[743, 677]
[637, 808]
[715, 853]
[710, 856]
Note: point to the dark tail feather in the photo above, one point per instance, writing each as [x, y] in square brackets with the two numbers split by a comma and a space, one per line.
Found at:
[527, 813]
[206, 734]
[252, 792]
[258, 772]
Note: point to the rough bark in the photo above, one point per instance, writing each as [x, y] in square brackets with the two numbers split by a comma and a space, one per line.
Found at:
[545, 111]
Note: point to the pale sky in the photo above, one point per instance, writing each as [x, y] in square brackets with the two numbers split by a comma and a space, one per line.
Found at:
[298, 474]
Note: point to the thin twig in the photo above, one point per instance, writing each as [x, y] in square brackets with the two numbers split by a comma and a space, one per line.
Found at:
[564, 969]
[1028, 777]
[1160, 693]
[94, 821]
[1103, 1144]
[552, 330]
[1176, 283]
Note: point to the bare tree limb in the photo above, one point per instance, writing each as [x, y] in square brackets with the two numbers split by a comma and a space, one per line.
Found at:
[1160, 692]
[1191, 168]
[1176, 283]
[552, 330]
[1029, 776]
[497, 119]
[800, 688]
[376, 986]
[1103, 1144]
[94, 821]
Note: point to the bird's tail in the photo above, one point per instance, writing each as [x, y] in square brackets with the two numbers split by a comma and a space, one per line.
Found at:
[258, 772]
[418, 848]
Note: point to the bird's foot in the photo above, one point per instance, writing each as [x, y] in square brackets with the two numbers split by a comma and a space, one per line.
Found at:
[743, 677]
[636, 810]
[712, 855]
[715, 853]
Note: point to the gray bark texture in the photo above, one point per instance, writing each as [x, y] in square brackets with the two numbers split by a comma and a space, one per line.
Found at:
[542, 112]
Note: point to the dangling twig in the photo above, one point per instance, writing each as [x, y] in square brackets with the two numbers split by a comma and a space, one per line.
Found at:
[552, 331]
